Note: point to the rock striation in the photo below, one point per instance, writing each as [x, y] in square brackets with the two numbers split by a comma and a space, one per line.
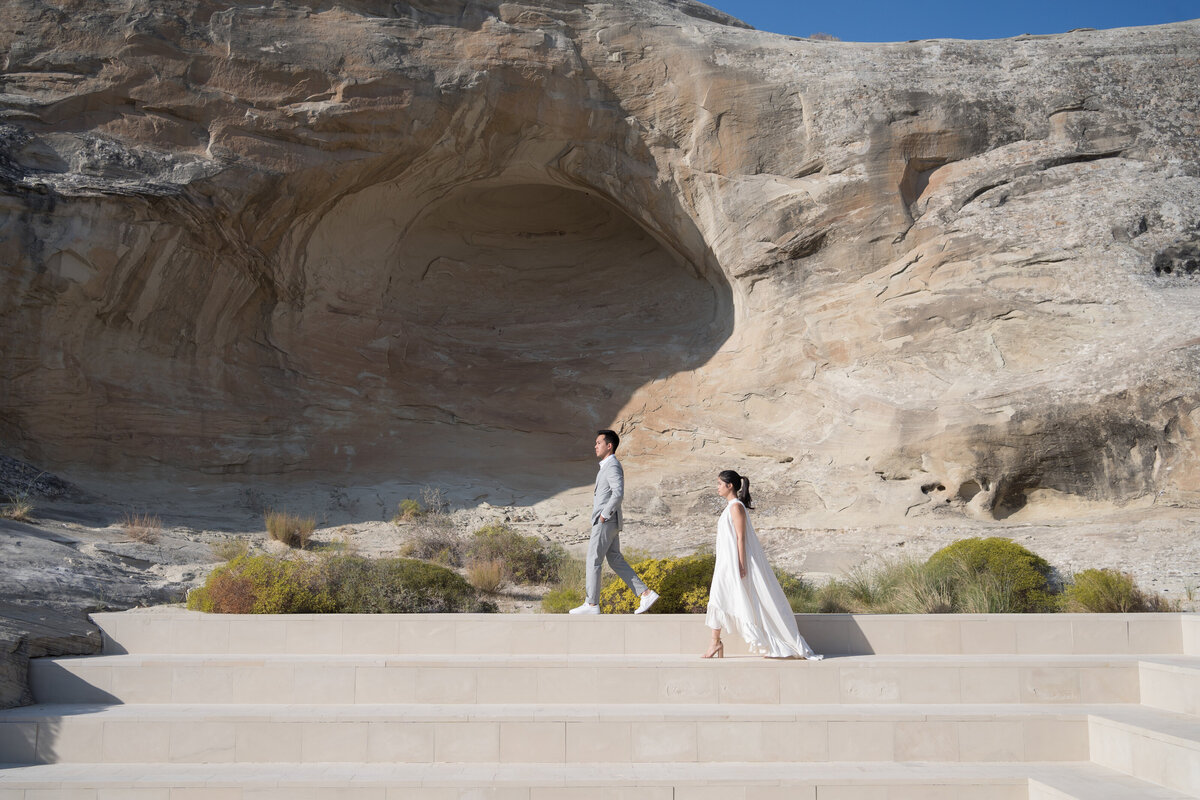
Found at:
[376, 239]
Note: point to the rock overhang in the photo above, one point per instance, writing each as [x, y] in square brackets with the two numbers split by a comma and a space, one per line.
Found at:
[909, 247]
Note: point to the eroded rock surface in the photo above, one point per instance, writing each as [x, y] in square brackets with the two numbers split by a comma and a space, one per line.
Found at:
[32, 631]
[73, 555]
[373, 241]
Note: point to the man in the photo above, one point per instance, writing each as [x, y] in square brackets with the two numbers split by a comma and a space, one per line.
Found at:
[606, 529]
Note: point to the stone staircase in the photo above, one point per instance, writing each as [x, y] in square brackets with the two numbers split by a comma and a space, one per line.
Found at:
[530, 707]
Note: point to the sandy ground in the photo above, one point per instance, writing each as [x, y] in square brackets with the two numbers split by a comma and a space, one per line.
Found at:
[1159, 545]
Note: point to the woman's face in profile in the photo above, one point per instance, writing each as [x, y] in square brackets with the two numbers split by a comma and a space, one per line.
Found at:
[724, 489]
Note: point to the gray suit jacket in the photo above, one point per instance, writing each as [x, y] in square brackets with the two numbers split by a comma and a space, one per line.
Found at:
[610, 488]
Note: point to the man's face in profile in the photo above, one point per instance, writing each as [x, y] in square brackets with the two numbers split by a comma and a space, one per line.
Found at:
[603, 448]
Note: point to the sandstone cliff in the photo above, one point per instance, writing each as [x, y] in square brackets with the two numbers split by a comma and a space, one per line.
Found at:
[376, 240]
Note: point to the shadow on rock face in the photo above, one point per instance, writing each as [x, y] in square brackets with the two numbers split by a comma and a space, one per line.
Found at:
[491, 332]
[477, 335]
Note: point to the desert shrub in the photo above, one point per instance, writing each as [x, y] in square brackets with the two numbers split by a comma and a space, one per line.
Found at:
[1107, 591]
[527, 558]
[694, 600]
[1021, 580]
[672, 578]
[229, 549]
[487, 576]
[433, 500]
[359, 585]
[946, 585]
[562, 599]
[434, 539]
[266, 584]
[291, 529]
[226, 592]
[263, 584]
[142, 528]
[431, 535]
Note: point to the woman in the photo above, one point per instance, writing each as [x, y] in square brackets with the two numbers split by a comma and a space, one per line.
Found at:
[745, 594]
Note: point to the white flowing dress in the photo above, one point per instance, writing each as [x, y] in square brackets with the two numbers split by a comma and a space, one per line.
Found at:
[754, 606]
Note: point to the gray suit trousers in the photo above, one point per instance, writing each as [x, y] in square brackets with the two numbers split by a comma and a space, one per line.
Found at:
[606, 543]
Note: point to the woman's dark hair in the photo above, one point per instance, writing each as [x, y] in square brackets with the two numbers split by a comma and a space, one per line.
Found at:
[740, 484]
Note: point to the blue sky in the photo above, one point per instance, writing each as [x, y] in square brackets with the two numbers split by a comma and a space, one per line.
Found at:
[895, 21]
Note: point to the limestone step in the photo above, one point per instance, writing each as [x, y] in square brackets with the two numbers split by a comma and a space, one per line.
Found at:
[181, 631]
[1093, 782]
[1171, 683]
[1153, 745]
[598, 679]
[550, 734]
[603, 781]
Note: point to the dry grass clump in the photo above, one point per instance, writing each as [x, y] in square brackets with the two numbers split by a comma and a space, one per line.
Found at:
[144, 528]
[19, 509]
[487, 575]
[291, 529]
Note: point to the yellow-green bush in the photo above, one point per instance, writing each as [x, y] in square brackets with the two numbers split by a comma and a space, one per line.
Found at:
[1021, 579]
[682, 584]
[266, 584]
[263, 584]
[528, 559]
[1107, 591]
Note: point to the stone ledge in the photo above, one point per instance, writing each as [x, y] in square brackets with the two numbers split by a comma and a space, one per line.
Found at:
[180, 631]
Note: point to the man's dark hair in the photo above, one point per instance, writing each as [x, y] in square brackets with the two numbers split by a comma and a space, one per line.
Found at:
[610, 437]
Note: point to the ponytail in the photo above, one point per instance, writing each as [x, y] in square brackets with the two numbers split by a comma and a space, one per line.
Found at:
[741, 486]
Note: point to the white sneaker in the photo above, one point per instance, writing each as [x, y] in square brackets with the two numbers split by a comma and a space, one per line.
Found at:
[647, 600]
[586, 608]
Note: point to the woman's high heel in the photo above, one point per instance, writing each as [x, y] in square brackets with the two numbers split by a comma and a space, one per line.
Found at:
[717, 650]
